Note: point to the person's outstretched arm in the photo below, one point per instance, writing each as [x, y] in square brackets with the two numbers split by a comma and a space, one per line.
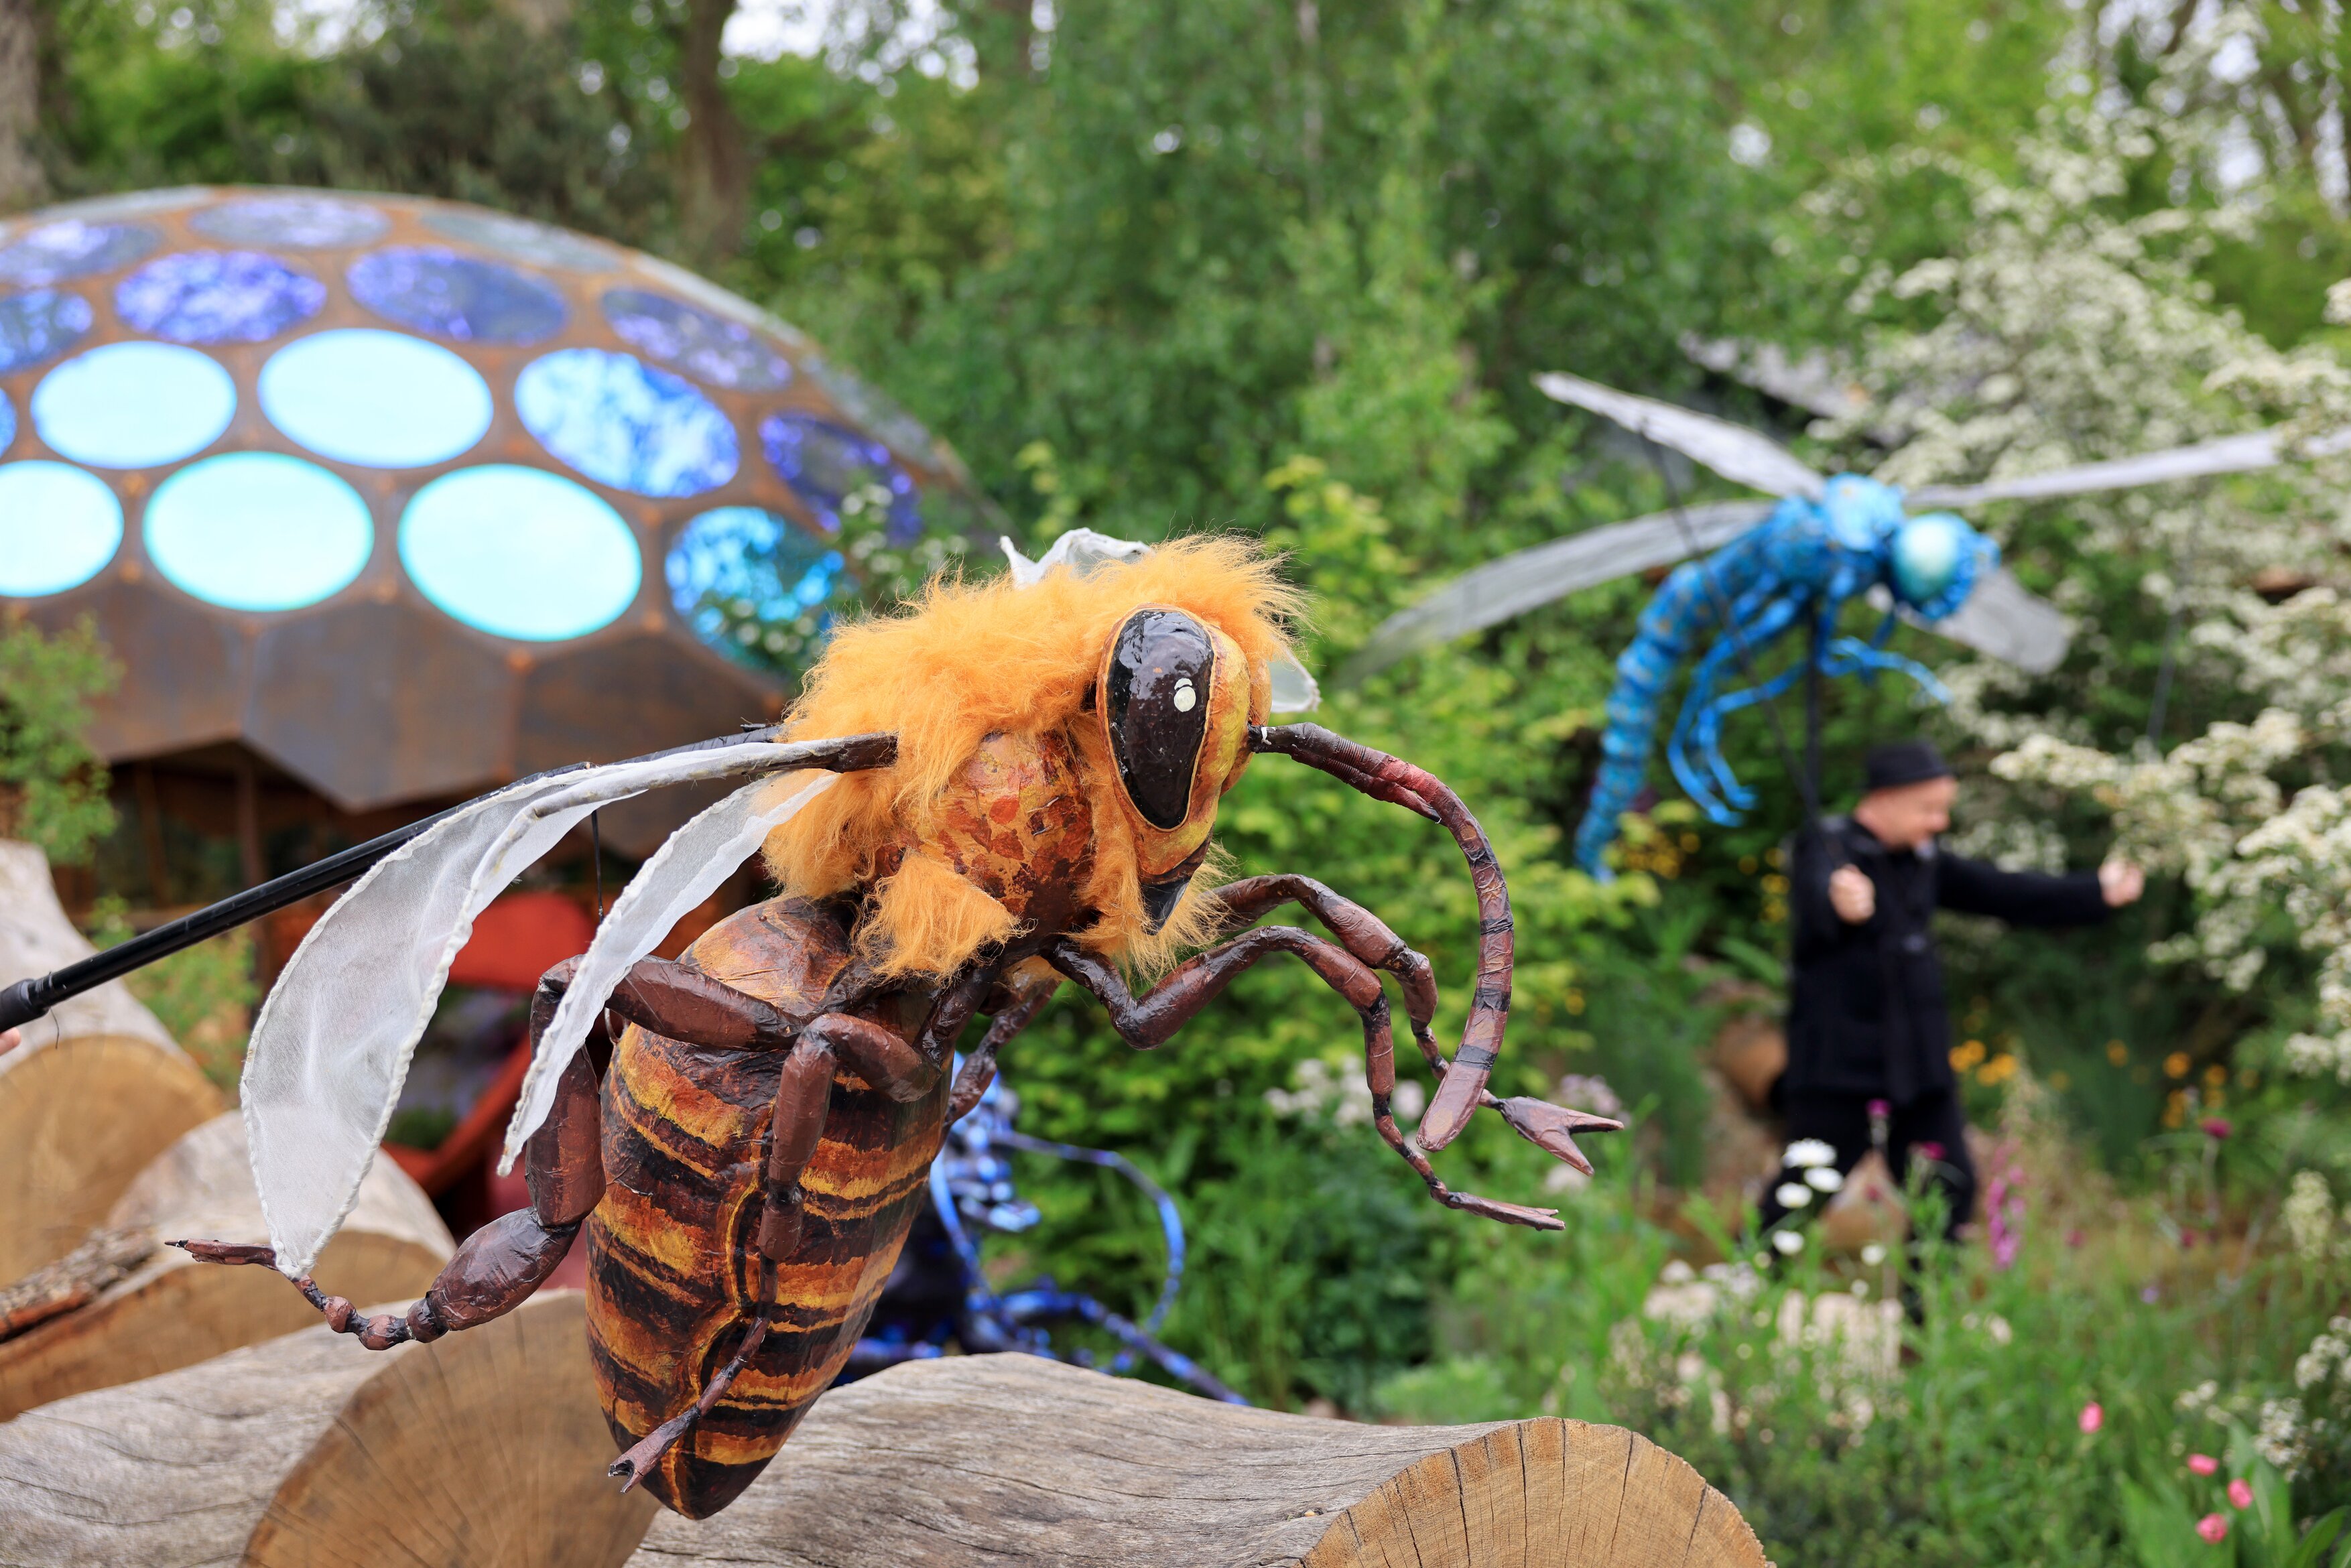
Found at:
[2032, 897]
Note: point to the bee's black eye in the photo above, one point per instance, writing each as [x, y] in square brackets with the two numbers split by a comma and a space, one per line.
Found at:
[1157, 695]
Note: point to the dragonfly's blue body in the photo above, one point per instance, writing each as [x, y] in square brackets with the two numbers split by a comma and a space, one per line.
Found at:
[1800, 565]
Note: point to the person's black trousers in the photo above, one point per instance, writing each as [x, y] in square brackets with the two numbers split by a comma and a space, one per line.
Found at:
[1932, 1126]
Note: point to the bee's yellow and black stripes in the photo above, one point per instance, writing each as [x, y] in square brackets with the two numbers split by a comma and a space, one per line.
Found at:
[673, 1262]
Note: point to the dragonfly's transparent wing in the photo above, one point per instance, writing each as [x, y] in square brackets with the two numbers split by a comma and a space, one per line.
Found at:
[1731, 450]
[2003, 618]
[1519, 582]
[2229, 455]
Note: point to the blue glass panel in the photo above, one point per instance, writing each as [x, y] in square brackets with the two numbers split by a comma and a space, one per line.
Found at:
[865, 406]
[58, 527]
[133, 406]
[455, 296]
[72, 248]
[837, 471]
[308, 221]
[257, 531]
[710, 348]
[520, 552]
[360, 394]
[521, 238]
[754, 586]
[217, 297]
[7, 421]
[625, 425]
[38, 323]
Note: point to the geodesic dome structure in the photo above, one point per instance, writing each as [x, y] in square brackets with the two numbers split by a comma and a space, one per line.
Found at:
[411, 497]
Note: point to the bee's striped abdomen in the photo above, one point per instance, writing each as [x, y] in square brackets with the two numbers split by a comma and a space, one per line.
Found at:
[672, 1267]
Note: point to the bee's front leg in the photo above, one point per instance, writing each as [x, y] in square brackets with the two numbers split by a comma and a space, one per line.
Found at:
[1149, 1020]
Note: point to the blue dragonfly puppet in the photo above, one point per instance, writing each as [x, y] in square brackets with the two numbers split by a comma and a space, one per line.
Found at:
[1751, 572]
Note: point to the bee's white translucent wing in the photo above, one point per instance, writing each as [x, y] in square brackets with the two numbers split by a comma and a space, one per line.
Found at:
[1513, 584]
[1731, 450]
[331, 1046]
[687, 869]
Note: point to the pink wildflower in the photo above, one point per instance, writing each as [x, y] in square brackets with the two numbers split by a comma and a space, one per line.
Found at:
[2216, 1128]
[1881, 1108]
[1928, 1149]
[2203, 1464]
[2212, 1528]
[2093, 1416]
[2241, 1493]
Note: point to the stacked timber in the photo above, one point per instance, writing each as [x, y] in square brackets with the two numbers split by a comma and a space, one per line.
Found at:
[97, 1090]
[123, 1306]
[487, 1450]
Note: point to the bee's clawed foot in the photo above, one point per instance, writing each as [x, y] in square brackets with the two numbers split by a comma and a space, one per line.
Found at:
[1551, 1128]
[230, 1252]
[1507, 1213]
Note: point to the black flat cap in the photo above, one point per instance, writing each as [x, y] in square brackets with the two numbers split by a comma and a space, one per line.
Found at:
[1905, 762]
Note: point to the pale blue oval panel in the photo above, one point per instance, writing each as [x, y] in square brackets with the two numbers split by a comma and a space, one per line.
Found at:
[520, 552]
[257, 531]
[384, 399]
[58, 527]
[133, 406]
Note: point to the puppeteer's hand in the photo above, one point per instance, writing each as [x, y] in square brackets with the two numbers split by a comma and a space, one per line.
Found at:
[1852, 894]
[2121, 883]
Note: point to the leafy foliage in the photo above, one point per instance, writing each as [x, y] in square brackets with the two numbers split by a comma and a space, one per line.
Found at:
[52, 787]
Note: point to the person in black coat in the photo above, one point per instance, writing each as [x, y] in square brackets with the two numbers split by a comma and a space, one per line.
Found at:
[1868, 1027]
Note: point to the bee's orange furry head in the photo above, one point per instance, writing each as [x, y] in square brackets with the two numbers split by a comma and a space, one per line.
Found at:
[971, 659]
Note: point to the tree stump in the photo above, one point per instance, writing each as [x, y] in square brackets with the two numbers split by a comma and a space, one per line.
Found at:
[484, 1450]
[97, 1090]
[1009, 1459]
[165, 1310]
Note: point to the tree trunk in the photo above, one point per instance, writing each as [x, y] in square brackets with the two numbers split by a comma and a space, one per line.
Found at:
[22, 183]
[484, 1450]
[169, 1310]
[1009, 1459]
[715, 173]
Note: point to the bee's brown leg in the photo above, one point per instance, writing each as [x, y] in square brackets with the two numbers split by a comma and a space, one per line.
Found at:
[1023, 994]
[1363, 935]
[1367, 938]
[500, 1265]
[647, 1452]
[1146, 1022]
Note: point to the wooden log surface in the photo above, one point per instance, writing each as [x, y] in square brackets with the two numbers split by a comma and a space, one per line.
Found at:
[170, 1310]
[97, 1089]
[484, 1450]
[1012, 1460]
[487, 1450]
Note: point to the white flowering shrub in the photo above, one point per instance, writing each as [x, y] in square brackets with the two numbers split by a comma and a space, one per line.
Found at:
[2070, 329]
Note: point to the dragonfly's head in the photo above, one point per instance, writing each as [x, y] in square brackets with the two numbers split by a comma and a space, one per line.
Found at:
[1933, 561]
[1861, 514]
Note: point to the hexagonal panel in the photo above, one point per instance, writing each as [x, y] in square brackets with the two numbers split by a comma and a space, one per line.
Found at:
[370, 704]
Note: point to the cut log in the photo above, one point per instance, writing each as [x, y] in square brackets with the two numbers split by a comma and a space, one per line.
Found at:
[79, 1117]
[484, 1450]
[171, 1311]
[1013, 1460]
[97, 1089]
